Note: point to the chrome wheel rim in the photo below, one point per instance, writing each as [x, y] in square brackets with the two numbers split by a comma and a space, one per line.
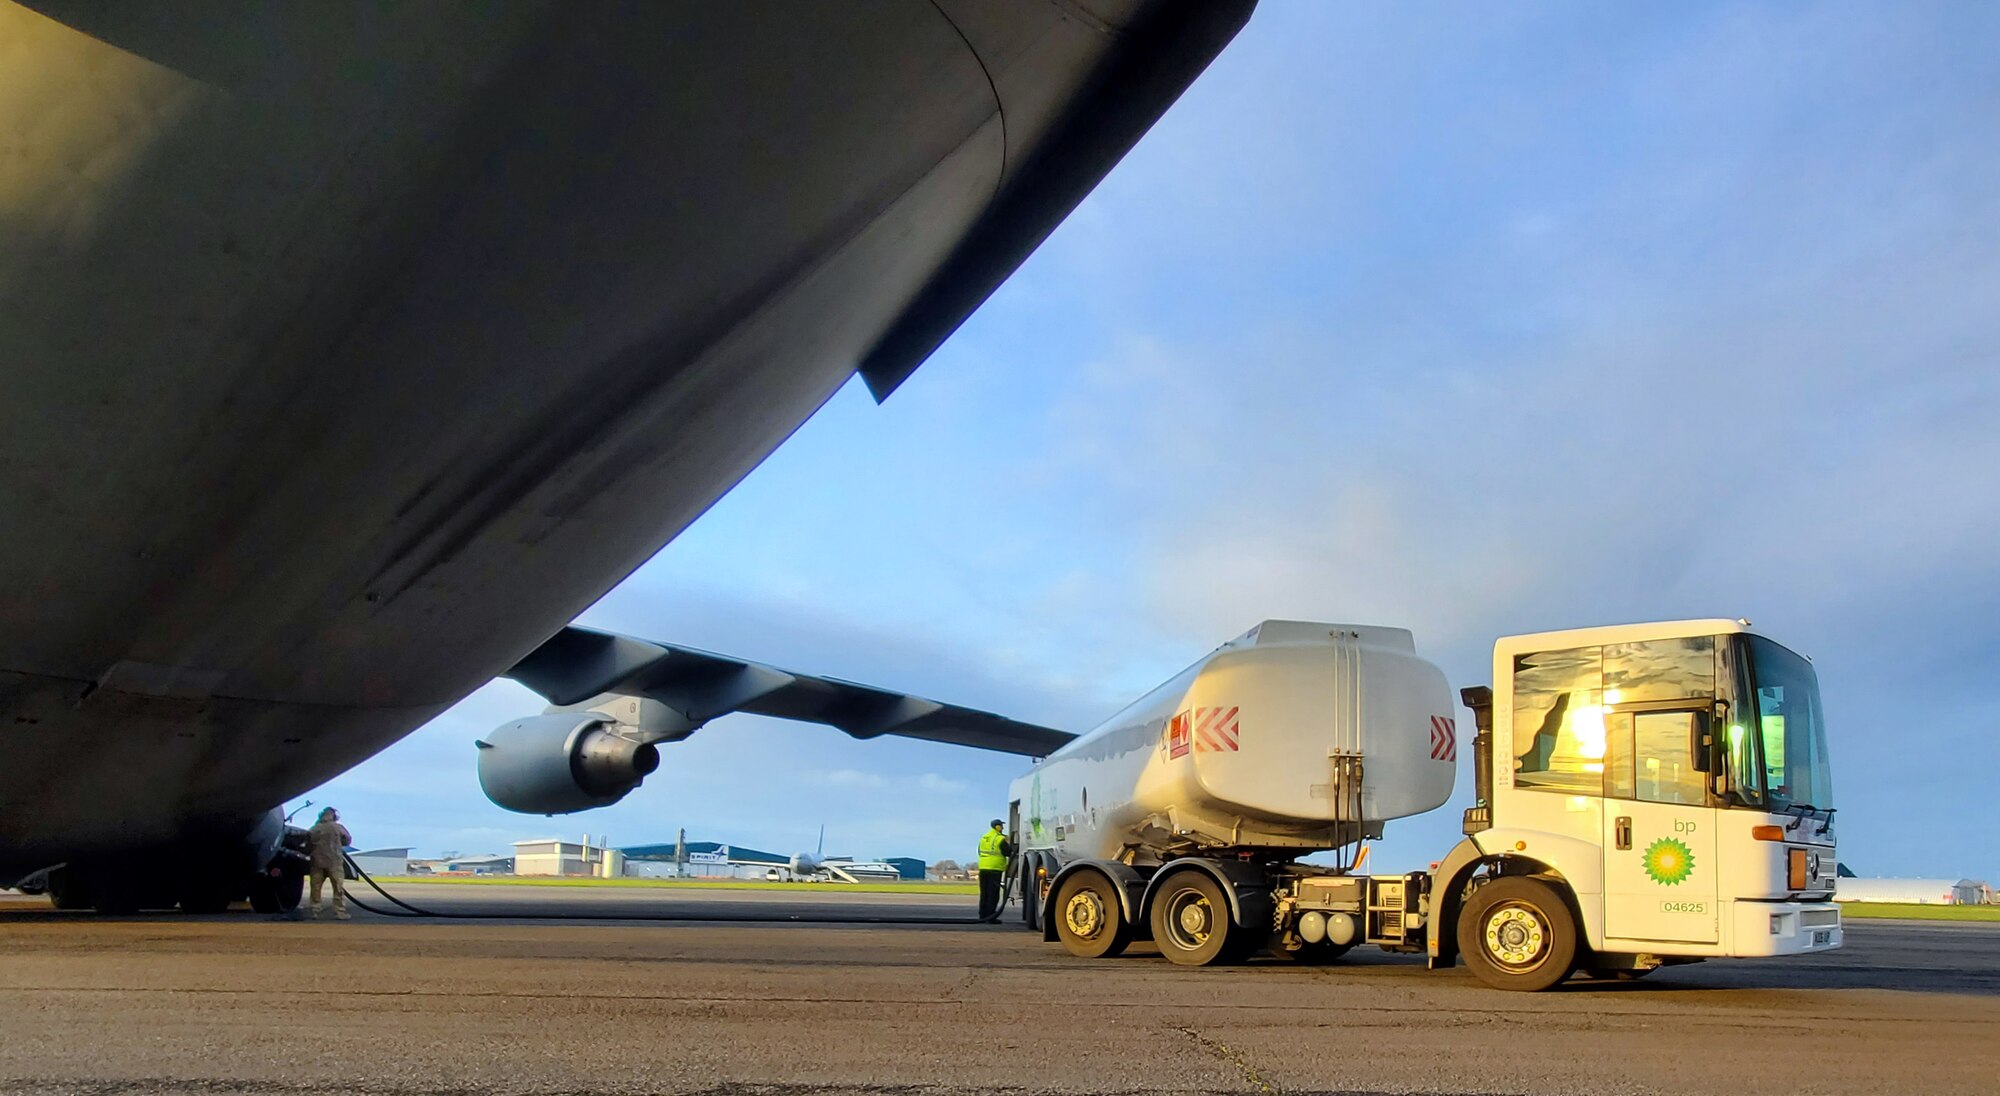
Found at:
[1190, 919]
[1517, 936]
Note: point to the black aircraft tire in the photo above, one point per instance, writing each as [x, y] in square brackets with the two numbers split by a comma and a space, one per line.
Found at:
[69, 891]
[280, 893]
[116, 897]
[1090, 921]
[1191, 923]
[1517, 933]
[206, 892]
[264, 894]
[291, 891]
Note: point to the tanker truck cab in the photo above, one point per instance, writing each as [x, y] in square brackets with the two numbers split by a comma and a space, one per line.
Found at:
[1669, 783]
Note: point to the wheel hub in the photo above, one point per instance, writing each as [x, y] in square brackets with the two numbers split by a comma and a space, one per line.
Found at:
[1084, 915]
[1515, 936]
[1194, 918]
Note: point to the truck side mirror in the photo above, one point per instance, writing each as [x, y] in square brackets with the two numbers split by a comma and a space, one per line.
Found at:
[1701, 744]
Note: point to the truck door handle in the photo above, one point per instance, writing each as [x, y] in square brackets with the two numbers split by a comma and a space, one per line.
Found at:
[1623, 831]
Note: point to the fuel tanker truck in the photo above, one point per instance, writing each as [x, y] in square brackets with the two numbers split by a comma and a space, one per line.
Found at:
[1646, 795]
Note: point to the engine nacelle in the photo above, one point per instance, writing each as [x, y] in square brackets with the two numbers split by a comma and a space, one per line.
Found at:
[561, 762]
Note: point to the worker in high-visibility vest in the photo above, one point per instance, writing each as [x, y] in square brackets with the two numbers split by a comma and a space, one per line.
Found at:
[994, 850]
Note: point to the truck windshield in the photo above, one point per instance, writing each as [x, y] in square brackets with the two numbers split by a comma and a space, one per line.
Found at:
[1790, 729]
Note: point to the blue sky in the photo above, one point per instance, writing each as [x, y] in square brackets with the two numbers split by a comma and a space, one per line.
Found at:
[1471, 319]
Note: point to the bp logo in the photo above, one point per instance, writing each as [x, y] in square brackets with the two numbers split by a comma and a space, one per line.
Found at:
[1669, 862]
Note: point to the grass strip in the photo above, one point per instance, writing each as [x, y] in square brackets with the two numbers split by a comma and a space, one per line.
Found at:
[1913, 911]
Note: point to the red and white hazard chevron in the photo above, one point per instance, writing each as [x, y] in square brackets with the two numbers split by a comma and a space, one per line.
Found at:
[1444, 739]
[1215, 730]
[1203, 730]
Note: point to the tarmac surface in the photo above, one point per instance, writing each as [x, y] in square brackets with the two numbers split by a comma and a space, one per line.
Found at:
[243, 1004]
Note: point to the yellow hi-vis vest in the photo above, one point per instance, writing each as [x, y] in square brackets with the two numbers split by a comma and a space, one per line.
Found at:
[990, 858]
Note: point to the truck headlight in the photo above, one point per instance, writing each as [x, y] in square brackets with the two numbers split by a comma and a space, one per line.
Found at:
[1795, 869]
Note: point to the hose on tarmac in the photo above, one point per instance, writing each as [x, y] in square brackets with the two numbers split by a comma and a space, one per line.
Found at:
[406, 909]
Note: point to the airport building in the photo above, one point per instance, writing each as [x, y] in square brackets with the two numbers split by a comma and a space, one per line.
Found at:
[588, 858]
[554, 856]
[703, 860]
[479, 864]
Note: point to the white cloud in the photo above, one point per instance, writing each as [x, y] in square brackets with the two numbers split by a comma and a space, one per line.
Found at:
[848, 778]
[932, 782]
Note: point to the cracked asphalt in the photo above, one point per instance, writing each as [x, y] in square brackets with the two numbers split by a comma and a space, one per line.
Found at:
[241, 1004]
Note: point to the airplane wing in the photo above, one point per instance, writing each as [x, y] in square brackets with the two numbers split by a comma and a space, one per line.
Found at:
[579, 665]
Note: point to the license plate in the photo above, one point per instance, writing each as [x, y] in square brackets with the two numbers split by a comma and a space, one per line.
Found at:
[1822, 937]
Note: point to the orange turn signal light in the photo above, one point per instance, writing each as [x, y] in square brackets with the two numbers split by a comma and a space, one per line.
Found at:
[1768, 833]
[1795, 870]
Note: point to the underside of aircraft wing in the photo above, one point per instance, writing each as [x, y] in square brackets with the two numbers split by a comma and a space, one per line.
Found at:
[581, 667]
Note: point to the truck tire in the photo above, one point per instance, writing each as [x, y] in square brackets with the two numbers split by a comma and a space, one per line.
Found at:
[1089, 920]
[1517, 933]
[1191, 923]
[1031, 891]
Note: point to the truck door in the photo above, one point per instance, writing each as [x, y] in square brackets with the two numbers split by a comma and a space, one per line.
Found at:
[1659, 830]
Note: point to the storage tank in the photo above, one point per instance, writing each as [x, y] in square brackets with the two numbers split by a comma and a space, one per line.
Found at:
[1295, 735]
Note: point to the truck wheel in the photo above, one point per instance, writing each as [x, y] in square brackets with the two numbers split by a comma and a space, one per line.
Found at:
[1517, 933]
[1089, 920]
[1190, 920]
[1031, 891]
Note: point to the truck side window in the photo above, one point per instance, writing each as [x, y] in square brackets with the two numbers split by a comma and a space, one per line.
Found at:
[1745, 774]
[1558, 729]
[1650, 759]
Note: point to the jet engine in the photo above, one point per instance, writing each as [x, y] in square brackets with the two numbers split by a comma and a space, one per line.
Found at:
[560, 762]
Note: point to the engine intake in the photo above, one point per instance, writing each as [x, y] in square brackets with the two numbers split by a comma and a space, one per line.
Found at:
[561, 762]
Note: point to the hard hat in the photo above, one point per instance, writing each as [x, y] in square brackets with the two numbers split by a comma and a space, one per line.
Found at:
[997, 822]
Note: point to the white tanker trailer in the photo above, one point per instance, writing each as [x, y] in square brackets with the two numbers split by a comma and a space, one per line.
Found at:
[1662, 797]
